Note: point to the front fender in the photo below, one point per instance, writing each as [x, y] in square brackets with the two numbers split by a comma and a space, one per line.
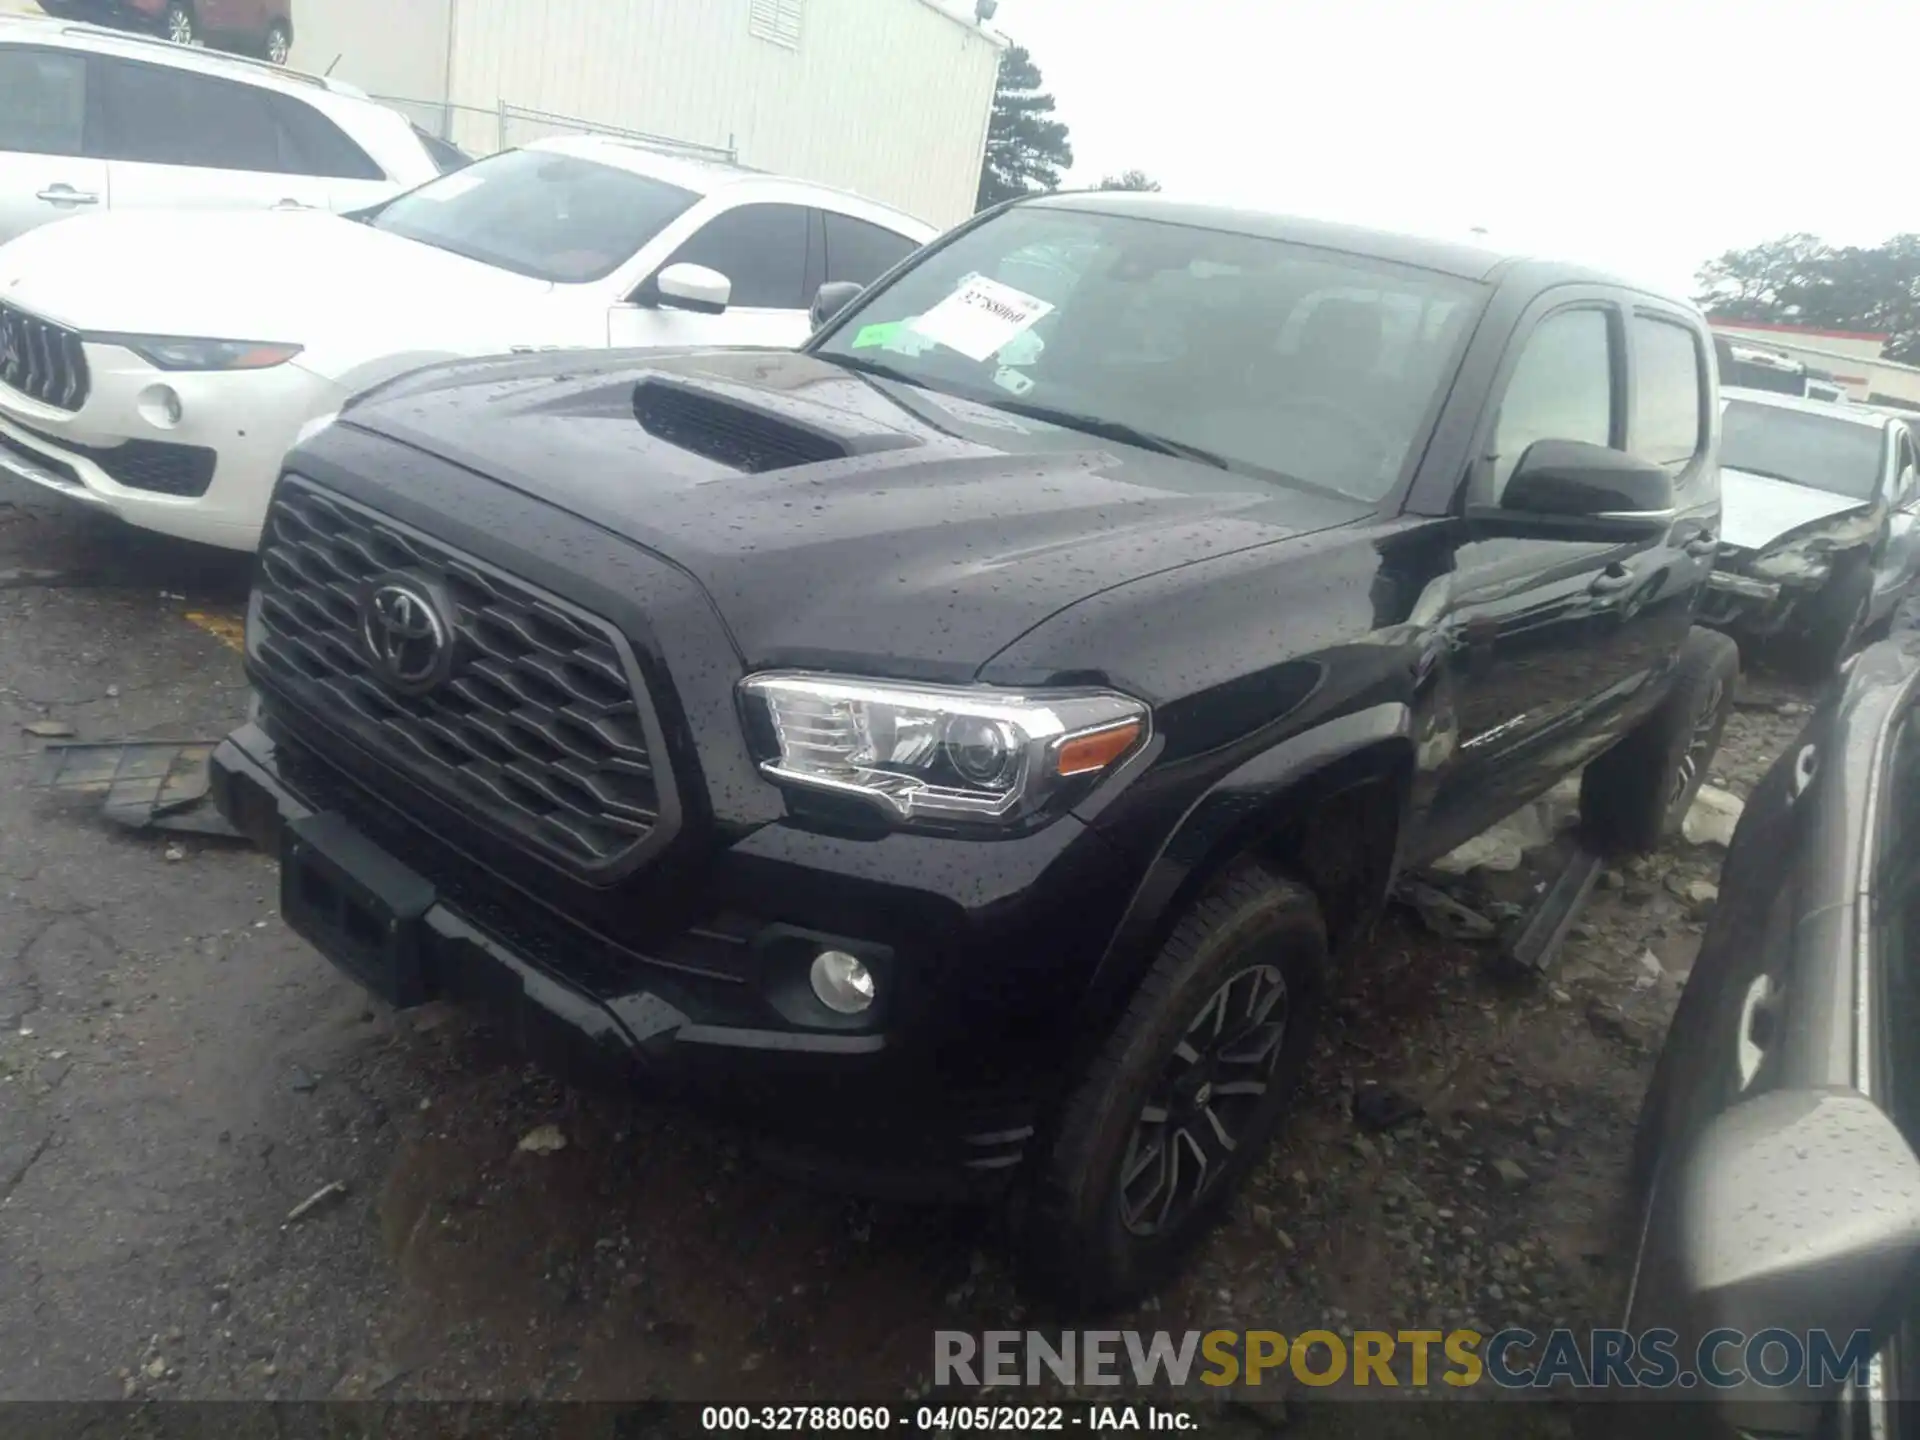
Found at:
[1247, 803]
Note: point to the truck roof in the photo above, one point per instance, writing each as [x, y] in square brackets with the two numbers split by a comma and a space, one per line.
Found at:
[1858, 414]
[1449, 257]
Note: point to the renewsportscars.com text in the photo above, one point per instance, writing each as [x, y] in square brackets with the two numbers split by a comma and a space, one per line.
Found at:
[1512, 1359]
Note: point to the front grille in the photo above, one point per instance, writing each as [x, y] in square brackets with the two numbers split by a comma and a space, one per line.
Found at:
[41, 360]
[156, 465]
[729, 433]
[541, 728]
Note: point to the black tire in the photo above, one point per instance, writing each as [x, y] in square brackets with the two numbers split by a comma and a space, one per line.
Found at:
[1084, 1239]
[1836, 623]
[181, 25]
[278, 46]
[1635, 796]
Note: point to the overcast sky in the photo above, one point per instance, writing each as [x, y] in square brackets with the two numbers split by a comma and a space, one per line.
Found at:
[1592, 130]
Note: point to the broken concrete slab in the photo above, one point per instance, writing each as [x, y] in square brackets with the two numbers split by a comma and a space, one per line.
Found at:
[1712, 818]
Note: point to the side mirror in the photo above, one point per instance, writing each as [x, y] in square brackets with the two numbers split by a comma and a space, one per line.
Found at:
[1580, 491]
[1797, 1210]
[832, 298]
[694, 287]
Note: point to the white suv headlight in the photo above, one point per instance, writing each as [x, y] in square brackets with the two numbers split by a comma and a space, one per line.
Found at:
[180, 352]
[944, 752]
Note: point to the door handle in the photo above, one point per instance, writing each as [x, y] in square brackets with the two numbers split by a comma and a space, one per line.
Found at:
[290, 204]
[66, 195]
[1611, 580]
[1703, 545]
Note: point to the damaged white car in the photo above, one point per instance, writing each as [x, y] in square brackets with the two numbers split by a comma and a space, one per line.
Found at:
[1818, 544]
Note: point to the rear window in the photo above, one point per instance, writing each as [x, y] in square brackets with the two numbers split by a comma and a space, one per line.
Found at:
[1839, 456]
[553, 217]
[1667, 392]
[43, 102]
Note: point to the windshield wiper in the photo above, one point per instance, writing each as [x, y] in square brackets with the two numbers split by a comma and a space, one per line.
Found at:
[1111, 430]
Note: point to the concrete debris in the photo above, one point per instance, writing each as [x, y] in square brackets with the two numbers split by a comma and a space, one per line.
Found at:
[1510, 1173]
[543, 1140]
[1504, 847]
[49, 729]
[1712, 818]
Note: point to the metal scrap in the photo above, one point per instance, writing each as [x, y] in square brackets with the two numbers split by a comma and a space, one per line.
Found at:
[160, 784]
[1444, 915]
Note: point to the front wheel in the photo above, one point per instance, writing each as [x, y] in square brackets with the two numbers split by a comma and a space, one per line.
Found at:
[1186, 1093]
[279, 42]
[1836, 623]
[182, 27]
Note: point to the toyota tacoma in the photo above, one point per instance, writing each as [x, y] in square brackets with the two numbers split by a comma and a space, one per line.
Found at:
[972, 746]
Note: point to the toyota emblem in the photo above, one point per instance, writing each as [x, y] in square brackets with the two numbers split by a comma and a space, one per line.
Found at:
[407, 636]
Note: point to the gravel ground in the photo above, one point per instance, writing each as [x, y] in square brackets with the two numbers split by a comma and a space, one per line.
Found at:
[178, 1073]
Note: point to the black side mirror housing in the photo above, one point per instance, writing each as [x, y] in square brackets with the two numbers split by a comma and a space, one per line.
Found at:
[832, 298]
[1574, 490]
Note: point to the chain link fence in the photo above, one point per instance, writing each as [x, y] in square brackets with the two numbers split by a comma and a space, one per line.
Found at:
[480, 131]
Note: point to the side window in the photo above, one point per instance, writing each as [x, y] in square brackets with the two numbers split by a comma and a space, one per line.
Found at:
[762, 249]
[159, 116]
[861, 252]
[311, 144]
[1906, 481]
[1561, 389]
[1668, 393]
[43, 101]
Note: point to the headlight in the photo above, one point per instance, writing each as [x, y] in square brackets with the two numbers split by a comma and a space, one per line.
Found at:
[1808, 554]
[944, 752]
[173, 352]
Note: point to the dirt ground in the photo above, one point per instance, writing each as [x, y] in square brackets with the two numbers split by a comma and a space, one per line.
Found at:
[178, 1073]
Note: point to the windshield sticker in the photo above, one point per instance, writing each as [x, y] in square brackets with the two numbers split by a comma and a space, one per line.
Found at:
[1017, 382]
[981, 316]
[871, 335]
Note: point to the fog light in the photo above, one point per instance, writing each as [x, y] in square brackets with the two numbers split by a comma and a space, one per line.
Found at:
[844, 985]
[159, 406]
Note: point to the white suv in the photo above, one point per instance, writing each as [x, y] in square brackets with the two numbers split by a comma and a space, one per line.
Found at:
[92, 119]
[159, 366]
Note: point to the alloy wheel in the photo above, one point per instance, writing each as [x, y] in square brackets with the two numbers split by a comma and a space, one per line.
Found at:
[1206, 1097]
[278, 45]
[180, 27]
[1700, 745]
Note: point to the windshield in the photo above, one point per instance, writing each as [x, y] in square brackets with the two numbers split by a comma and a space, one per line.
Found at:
[1842, 457]
[1277, 359]
[537, 213]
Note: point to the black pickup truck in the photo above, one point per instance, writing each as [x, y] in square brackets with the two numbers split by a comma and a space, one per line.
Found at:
[972, 746]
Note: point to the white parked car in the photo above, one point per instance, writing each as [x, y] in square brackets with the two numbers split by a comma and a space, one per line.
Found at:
[1820, 524]
[159, 366]
[92, 119]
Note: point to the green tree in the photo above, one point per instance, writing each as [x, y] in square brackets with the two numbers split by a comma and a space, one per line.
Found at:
[1802, 280]
[1027, 149]
[1129, 180]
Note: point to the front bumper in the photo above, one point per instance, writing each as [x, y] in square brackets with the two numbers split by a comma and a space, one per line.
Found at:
[245, 420]
[939, 1097]
[1758, 608]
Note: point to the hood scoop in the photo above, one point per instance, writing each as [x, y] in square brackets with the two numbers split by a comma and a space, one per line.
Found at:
[752, 431]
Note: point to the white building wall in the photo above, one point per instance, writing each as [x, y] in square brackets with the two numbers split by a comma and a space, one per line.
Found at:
[383, 47]
[889, 98]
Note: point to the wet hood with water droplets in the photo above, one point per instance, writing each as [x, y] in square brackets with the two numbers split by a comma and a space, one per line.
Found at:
[894, 525]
